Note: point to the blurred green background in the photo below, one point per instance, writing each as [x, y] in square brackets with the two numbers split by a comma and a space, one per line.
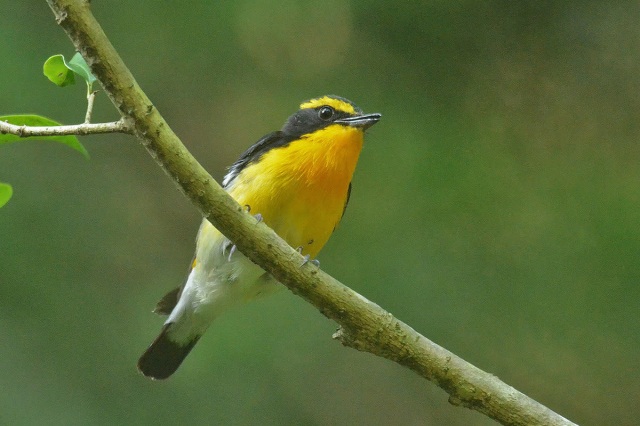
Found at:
[496, 209]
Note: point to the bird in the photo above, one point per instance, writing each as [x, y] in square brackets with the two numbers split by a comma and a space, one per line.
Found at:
[298, 181]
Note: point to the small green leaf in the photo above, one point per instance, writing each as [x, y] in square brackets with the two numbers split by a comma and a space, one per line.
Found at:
[6, 191]
[78, 65]
[36, 120]
[56, 70]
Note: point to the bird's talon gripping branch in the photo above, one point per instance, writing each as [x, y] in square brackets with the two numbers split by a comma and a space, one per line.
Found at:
[226, 246]
[307, 259]
[233, 250]
[258, 216]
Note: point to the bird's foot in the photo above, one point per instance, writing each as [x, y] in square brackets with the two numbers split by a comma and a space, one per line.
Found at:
[258, 216]
[233, 250]
[307, 259]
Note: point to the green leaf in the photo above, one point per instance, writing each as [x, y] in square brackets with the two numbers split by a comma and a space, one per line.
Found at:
[56, 70]
[62, 73]
[36, 120]
[6, 191]
[78, 65]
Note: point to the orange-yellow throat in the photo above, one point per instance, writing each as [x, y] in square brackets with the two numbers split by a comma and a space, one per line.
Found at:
[301, 189]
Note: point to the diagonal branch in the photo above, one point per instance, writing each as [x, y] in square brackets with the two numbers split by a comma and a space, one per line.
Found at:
[364, 325]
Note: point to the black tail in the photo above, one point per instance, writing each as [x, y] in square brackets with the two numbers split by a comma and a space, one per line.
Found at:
[164, 356]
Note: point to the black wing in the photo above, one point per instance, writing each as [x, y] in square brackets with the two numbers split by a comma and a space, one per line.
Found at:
[344, 209]
[346, 202]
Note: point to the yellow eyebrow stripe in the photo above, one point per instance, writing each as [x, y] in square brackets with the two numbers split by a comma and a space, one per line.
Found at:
[337, 104]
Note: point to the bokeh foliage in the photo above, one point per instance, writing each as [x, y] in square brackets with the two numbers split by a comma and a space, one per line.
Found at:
[496, 209]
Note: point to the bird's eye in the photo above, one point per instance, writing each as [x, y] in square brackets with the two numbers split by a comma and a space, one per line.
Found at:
[325, 113]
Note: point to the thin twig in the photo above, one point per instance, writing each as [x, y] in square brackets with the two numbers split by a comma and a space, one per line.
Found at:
[91, 96]
[76, 129]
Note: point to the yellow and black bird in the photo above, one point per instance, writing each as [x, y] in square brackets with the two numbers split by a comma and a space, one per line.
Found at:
[298, 180]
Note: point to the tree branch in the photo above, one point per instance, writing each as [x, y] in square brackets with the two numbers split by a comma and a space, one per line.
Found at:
[75, 129]
[364, 325]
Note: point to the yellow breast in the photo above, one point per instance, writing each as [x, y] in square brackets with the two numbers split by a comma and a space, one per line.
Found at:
[301, 189]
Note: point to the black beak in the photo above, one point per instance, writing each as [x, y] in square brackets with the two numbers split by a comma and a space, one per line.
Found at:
[362, 121]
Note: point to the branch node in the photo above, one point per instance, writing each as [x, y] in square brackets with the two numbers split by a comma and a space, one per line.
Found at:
[61, 17]
[350, 339]
[454, 400]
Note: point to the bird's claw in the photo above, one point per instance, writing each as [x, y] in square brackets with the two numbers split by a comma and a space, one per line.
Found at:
[258, 216]
[233, 250]
[307, 259]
